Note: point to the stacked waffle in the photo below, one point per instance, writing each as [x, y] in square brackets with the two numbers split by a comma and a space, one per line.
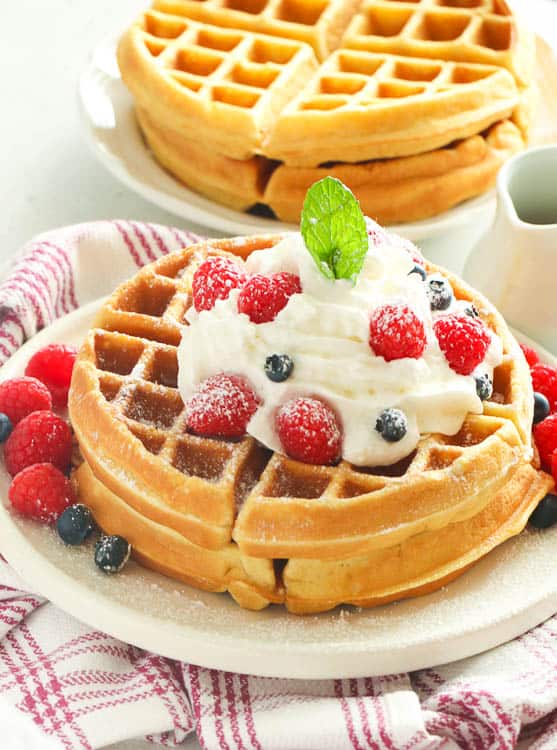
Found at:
[414, 105]
[232, 515]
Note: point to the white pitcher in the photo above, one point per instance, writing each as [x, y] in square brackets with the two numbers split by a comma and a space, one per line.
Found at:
[515, 263]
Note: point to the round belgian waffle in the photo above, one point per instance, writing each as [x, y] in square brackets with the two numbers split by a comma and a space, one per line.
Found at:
[231, 515]
[296, 87]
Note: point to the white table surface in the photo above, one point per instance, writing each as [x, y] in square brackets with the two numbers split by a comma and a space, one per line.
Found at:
[49, 177]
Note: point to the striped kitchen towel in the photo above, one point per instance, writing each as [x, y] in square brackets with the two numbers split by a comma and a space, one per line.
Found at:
[85, 690]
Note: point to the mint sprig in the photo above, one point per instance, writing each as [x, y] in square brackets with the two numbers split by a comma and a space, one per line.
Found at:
[334, 229]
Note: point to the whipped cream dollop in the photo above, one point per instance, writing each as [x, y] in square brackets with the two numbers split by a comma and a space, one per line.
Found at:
[325, 331]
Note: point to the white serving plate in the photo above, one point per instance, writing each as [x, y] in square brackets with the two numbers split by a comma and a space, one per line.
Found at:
[111, 130]
[511, 590]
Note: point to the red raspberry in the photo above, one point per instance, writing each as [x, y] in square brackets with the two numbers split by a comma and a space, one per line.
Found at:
[463, 340]
[545, 435]
[41, 492]
[396, 332]
[309, 431]
[554, 465]
[21, 396]
[263, 297]
[531, 355]
[41, 437]
[544, 380]
[53, 366]
[221, 406]
[215, 279]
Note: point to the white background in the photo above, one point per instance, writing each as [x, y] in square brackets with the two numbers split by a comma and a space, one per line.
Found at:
[48, 178]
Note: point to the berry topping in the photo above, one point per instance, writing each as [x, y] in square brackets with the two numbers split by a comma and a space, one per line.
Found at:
[21, 396]
[309, 431]
[221, 406]
[392, 425]
[112, 553]
[463, 340]
[545, 435]
[263, 297]
[484, 386]
[75, 524]
[440, 294]
[545, 514]
[396, 332]
[41, 492]
[278, 367]
[531, 355]
[472, 311]
[420, 271]
[53, 366]
[541, 407]
[6, 427]
[41, 437]
[215, 279]
[544, 380]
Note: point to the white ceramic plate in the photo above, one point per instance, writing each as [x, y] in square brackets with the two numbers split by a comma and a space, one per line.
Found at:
[511, 590]
[111, 131]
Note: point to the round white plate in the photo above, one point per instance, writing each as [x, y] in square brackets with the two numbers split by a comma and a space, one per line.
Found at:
[511, 590]
[112, 132]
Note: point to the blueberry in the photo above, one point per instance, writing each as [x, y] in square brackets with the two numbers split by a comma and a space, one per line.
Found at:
[420, 271]
[545, 514]
[440, 294]
[392, 425]
[541, 407]
[75, 524]
[278, 367]
[484, 386]
[6, 427]
[472, 311]
[112, 553]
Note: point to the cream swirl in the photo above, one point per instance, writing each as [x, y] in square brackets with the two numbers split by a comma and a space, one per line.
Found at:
[325, 330]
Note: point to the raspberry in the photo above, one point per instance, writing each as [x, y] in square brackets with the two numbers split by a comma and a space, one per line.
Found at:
[396, 332]
[53, 366]
[309, 431]
[263, 297]
[21, 396]
[531, 355]
[463, 340]
[554, 465]
[215, 279]
[221, 406]
[545, 435]
[41, 492]
[41, 437]
[544, 380]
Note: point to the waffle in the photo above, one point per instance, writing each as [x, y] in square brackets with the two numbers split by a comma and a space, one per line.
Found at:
[409, 188]
[230, 85]
[243, 93]
[479, 31]
[232, 515]
[320, 24]
[391, 190]
[373, 106]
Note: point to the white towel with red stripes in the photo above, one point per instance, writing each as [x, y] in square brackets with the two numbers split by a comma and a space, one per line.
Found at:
[86, 690]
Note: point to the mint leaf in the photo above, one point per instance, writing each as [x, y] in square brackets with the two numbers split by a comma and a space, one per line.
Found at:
[334, 229]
